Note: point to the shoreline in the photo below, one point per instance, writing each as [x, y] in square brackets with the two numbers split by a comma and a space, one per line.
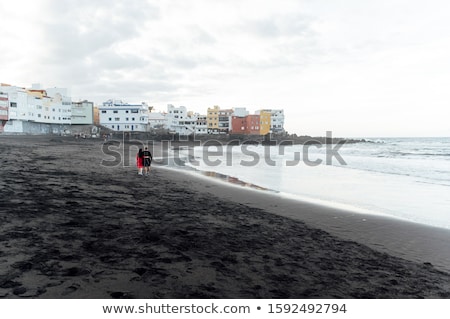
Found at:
[234, 181]
[72, 228]
[413, 241]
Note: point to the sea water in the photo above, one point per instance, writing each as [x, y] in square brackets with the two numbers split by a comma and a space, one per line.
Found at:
[407, 178]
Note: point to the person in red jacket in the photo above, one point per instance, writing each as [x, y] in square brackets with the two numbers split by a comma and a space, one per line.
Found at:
[140, 161]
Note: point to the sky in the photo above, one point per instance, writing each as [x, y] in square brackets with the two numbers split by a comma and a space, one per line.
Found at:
[358, 68]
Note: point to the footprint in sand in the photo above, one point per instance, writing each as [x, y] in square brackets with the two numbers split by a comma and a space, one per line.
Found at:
[71, 289]
[120, 295]
[19, 291]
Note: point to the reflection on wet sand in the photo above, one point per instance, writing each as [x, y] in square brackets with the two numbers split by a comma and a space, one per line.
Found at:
[233, 180]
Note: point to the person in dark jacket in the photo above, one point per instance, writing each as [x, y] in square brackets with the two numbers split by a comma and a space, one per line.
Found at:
[147, 160]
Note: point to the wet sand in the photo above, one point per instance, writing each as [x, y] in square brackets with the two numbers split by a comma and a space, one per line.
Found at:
[72, 228]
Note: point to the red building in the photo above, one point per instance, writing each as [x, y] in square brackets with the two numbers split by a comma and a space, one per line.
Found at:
[238, 125]
[248, 125]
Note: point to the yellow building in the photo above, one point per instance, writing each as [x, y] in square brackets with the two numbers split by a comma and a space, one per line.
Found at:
[212, 119]
[265, 118]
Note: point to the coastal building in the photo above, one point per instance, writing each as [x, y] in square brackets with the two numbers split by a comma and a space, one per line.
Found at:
[219, 121]
[224, 124]
[18, 108]
[238, 124]
[157, 120]
[83, 112]
[249, 124]
[252, 124]
[4, 106]
[277, 121]
[239, 121]
[201, 126]
[240, 112]
[265, 118]
[96, 115]
[37, 110]
[178, 121]
[120, 116]
[212, 120]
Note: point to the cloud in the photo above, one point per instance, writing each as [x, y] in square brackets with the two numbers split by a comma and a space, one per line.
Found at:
[285, 25]
[88, 41]
[110, 60]
[81, 28]
[163, 46]
[283, 53]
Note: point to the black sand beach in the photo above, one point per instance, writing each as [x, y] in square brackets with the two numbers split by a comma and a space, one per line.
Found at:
[71, 228]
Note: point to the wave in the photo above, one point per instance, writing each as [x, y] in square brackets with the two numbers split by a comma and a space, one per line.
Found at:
[418, 154]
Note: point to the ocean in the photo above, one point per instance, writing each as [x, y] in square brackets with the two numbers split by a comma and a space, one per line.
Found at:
[405, 178]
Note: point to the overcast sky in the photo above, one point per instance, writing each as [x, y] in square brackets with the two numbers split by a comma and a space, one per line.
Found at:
[354, 67]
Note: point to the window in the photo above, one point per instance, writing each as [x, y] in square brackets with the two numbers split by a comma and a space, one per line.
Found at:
[109, 119]
[134, 111]
[116, 112]
[127, 119]
[126, 111]
[132, 118]
[13, 104]
[104, 112]
[117, 119]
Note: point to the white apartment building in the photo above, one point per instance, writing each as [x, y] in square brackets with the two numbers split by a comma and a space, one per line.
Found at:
[225, 120]
[240, 112]
[157, 120]
[120, 116]
[277, 121]
[35, 110]
[4, 107]
[178, 121]
[201, 126]
[53, 105]
[83, 112]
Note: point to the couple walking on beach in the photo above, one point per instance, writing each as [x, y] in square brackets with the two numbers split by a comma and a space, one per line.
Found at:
[143, 161]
